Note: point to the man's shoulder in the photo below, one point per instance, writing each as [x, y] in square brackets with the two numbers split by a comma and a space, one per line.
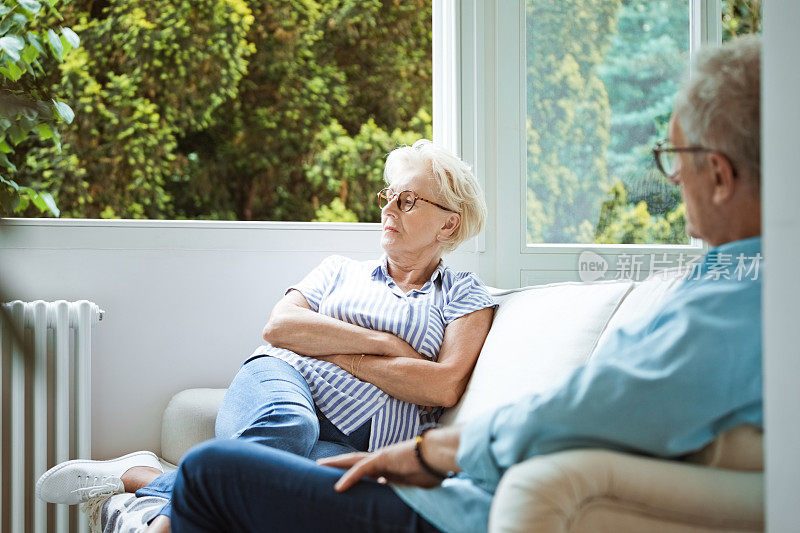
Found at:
[713, 305]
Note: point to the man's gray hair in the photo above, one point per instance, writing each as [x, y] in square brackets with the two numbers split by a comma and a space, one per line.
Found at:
[458, 189]
[719, 106]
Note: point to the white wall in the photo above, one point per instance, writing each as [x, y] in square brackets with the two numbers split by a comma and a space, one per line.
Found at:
[781, 158]
[185, 301]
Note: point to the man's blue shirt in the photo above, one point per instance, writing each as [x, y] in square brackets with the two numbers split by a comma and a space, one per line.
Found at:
[665, 385]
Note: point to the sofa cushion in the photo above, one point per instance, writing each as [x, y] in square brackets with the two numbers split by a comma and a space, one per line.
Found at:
[539, 335]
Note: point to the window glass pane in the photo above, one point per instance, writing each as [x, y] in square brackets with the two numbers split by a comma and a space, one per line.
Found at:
[231, 109]
[741, 17]
[601, 77]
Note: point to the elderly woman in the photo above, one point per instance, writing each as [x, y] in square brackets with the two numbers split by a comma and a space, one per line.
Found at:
[360, 355]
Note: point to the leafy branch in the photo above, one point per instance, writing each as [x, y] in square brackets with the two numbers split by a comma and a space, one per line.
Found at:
[27, 51]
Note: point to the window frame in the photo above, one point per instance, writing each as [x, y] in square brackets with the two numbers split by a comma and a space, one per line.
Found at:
[493, 41]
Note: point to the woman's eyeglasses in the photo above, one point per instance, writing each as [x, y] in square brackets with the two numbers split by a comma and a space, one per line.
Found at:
[405, 200]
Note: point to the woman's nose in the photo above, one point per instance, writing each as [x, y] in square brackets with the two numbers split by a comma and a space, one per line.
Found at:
[390, 204]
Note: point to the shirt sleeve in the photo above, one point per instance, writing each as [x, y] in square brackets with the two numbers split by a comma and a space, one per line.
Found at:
[319, 281]
[664, 390]
[466, 295]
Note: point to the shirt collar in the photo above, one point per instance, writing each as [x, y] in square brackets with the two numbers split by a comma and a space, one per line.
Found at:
[727, 258]
[748, 247]
[381, 271]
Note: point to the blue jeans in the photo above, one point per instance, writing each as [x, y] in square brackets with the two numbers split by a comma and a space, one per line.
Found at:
[269, 403]
[243, 487]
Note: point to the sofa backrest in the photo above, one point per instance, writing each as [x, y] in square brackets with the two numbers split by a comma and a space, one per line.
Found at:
[541, 334]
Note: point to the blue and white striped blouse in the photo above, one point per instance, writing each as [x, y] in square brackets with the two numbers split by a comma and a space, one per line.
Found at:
[363, 293]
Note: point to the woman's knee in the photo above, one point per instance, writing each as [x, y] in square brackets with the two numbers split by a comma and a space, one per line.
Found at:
[287, 427]
[267, 392]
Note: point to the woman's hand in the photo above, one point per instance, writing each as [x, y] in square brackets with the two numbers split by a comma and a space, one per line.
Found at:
[393, 464]
[400, 348]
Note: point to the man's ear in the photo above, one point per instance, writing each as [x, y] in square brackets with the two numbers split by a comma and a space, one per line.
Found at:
[724, 177]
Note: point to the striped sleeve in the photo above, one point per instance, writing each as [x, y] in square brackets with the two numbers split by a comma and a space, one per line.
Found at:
[466, 295]
[319, 281]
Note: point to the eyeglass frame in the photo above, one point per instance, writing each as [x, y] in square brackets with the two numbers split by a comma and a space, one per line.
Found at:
[659, 149]
[396, 198]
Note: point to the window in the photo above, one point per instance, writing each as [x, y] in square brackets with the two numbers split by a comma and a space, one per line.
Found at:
[601, 76]
[233, 109]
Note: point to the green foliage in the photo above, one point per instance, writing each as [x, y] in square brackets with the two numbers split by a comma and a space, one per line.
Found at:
[29, 106]
[383, 51]
[219, 109]
[118, 134]
[319, 72]
[642, 72]
[252, 159]
[567, 115]
[741, 17]
[351, 168]
[148, 72]
[187, 57]
[639, 75]
[285, 110]
[622, 222]
[335, 212]
[642, 76]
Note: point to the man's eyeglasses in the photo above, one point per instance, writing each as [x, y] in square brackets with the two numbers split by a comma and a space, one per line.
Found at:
[668, 161]
[405, 200]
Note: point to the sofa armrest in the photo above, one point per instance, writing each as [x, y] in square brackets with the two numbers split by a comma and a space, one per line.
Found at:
[189, 420]
[604, 491]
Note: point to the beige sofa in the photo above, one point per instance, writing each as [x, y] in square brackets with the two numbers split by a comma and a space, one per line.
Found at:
[538, 336]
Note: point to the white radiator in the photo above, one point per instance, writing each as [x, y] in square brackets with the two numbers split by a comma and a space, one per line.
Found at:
[46, 408]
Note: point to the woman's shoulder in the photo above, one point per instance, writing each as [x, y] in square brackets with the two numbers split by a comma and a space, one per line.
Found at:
[461, 279]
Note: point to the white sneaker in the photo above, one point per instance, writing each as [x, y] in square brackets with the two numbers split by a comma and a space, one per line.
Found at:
[76, 481]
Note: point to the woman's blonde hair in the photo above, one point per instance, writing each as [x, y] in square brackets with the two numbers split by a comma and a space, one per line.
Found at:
[458, 188]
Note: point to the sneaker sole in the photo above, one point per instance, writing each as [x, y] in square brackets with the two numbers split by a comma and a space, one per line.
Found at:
[61, 466]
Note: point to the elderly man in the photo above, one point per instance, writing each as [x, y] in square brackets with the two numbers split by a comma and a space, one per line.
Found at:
[664, 386]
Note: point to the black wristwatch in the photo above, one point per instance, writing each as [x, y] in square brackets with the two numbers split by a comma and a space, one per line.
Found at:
[418, 453]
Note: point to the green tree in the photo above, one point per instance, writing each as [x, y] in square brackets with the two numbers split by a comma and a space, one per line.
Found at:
[641, 72]
[622, 222]
[149, 71]
[215, 109]
[642, 77]
[567, 116]
[29, 45]
[741, 17]
[383, 50]
[318, 66]
[348, 170]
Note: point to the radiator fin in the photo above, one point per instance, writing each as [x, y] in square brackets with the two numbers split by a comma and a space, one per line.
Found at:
[46, 408]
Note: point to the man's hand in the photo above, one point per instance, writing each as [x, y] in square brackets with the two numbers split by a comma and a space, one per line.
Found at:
[393, 464]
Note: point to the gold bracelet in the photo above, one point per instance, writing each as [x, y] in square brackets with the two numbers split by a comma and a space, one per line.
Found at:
[353, 364]
[358, 365]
